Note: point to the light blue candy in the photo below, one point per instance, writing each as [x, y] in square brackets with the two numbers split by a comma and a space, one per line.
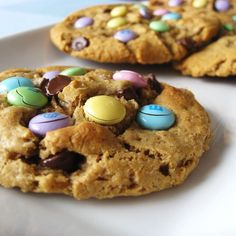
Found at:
[14, 82]
[155, 117]
[234, 18]
[171, 16]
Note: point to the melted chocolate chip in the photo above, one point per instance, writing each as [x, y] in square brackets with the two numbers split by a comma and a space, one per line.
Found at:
[189, 44]
[164, 169]
[128, 94]
[153, 83]
[43, 85]
[66, 161]
[56, 85]
[31, 160]
[80, 43]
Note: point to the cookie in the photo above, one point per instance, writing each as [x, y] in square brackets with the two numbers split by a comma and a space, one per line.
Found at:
[101, 134]
[214, 5]
[218, 58]
[133, 34]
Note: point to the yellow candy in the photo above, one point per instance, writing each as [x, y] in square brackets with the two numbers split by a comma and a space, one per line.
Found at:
[199, 3]
[104, 110]
[119, 11]
[116, 22]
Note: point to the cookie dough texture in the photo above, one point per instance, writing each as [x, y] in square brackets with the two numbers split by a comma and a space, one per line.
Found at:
[118, 162]
[217, 59]
[149, 47]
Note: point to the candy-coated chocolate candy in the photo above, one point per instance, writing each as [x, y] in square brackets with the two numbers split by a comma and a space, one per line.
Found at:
[199, 3]
[155, 117]
[83, 22]
[79, 43]
[51, 74]
[159, 26]
[104, 110]
[116, 22]
[228, 27]
[14, 82]
[160, 12]
[119, 11]
[45, 122]
[222, 5]
[27, 97]
[145, 12]
[171, 16]
[125, 35]
[175, 3]
[135, 78]
[234, 18]
[74, 71]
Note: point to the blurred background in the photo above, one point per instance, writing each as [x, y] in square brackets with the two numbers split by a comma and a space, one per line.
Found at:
[21, 15]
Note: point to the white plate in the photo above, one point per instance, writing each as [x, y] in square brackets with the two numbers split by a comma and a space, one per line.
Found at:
[203, 205]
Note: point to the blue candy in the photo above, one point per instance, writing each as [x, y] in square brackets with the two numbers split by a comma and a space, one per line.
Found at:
[14, 82]
[171, 16]
[155, 117]
[234, 18]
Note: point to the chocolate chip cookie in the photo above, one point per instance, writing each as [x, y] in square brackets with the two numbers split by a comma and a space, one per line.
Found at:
[131, 33]
[218, 58]
[100, 134]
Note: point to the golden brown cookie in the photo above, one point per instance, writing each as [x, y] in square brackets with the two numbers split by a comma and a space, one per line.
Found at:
[133, 34]
[218, 58]
[89, 158]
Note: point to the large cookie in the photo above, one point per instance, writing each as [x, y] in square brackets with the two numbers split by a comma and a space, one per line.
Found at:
[133, 34]
[217, 59]
[215, 5]
[97, 149]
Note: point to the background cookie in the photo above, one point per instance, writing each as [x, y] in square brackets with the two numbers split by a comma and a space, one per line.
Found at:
[86, 158]
[133, 34]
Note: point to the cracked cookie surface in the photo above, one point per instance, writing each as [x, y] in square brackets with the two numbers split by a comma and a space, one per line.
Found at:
[89, 160]
[101, 36]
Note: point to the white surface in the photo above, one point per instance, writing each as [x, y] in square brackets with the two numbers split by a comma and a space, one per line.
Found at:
[204, 205]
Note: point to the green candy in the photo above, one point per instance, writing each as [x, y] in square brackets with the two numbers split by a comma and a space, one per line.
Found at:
[159, 26]
[27, 97]
[73, 71]
[234, 18]
[229, 27]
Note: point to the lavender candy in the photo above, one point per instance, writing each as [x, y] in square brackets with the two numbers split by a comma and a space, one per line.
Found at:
[83, 22]
[51, 74]
[79, 43]
[125, 35]
[175, 3]
[222, 5]
[49, 121]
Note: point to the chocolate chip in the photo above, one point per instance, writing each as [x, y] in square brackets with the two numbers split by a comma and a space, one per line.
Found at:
[80, 43]
[189, 44]
[128, 94]
[31, 160]
[43, 85]
[153, 83]
[66, 161]
[55, 85]
[164, 169]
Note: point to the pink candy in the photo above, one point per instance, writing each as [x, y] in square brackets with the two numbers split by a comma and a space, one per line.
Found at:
[160, 12]
[137, 79]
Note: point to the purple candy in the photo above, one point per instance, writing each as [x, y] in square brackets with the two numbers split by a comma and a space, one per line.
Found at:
[79, 43]
[45, 122]
[222, 5]
[160, 12]
[51, 74]
[175, 3]
[83, 22]
[145, 12]
[125, 35]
